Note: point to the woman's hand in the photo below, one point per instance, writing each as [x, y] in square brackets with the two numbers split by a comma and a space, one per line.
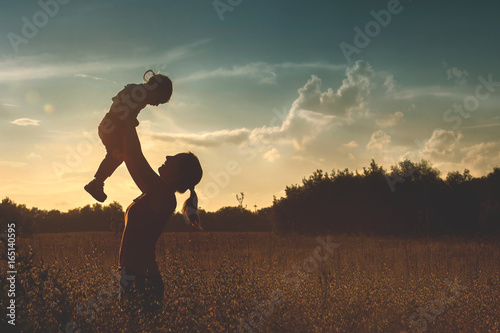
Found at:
[139, 168]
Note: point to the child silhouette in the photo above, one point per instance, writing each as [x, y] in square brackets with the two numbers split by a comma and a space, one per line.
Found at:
[127, 104]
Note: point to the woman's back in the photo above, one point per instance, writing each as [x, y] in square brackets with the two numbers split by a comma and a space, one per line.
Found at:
[145, 220]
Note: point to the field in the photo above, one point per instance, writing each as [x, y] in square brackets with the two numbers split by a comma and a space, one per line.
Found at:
[259, 282]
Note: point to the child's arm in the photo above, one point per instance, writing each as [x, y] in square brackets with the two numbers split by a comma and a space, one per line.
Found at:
[139, 168]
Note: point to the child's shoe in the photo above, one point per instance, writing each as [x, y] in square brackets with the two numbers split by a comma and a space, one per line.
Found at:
[96, 189]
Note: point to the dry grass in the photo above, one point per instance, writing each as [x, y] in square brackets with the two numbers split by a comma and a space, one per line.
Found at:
[368, 284]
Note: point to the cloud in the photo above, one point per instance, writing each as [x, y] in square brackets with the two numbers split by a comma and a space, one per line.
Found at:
[33, 156]
[482, 157]
[26, 122]
[390, 120]
[390, 85]
[444, 149]
[266, 73]
[441, 144]
[312, 112]
[379, 141]
[261, 70]
[459, 76]
[299, 127]
[351, 144]
[44, 66]
[210, 139]
[271, 155]
[303, 126]
[85, 76]
[12, 164]
[347, 100]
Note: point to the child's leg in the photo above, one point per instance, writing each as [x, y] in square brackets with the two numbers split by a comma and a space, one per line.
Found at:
[113, 141]
[109, 164]
[112, 138]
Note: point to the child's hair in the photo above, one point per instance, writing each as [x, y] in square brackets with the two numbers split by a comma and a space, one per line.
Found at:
[193, 173]
[161, 84]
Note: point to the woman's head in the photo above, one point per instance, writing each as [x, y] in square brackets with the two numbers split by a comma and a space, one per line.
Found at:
[158, 87]
[183, 171]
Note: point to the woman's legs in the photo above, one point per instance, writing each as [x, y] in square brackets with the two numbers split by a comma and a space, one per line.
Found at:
[143, 284]
[131, 284]
[154, 284]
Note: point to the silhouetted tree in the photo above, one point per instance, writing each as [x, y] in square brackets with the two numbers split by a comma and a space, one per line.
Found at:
[412, 199]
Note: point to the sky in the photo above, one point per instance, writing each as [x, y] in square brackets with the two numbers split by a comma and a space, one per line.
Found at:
[265, 92]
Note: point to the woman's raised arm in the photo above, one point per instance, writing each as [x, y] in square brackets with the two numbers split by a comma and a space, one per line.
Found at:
[137, 165]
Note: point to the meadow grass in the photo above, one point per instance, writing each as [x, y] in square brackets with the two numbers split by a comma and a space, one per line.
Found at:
[260, 282]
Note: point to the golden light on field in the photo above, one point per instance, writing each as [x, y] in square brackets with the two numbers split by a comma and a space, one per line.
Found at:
[225, 281]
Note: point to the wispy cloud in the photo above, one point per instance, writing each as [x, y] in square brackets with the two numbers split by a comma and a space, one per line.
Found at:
[455, 74]
[85, 76]
[351, 144]
[210, 139]
[12, 164]
[482, 125]
[390, 120]
[26, 122]
[379, 141]
[44, 66]
[265, 72]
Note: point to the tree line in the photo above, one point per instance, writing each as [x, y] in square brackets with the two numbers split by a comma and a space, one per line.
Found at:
[411, 199]
[110, 217]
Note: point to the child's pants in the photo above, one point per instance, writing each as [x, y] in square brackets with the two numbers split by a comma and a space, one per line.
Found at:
[112, 136]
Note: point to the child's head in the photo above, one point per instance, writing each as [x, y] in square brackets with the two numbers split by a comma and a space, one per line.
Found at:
[159, 88]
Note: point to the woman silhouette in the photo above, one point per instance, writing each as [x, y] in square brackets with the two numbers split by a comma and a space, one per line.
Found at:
[146, 217]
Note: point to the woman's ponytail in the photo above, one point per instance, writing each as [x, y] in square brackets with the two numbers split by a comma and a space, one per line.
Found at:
[190, 210]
